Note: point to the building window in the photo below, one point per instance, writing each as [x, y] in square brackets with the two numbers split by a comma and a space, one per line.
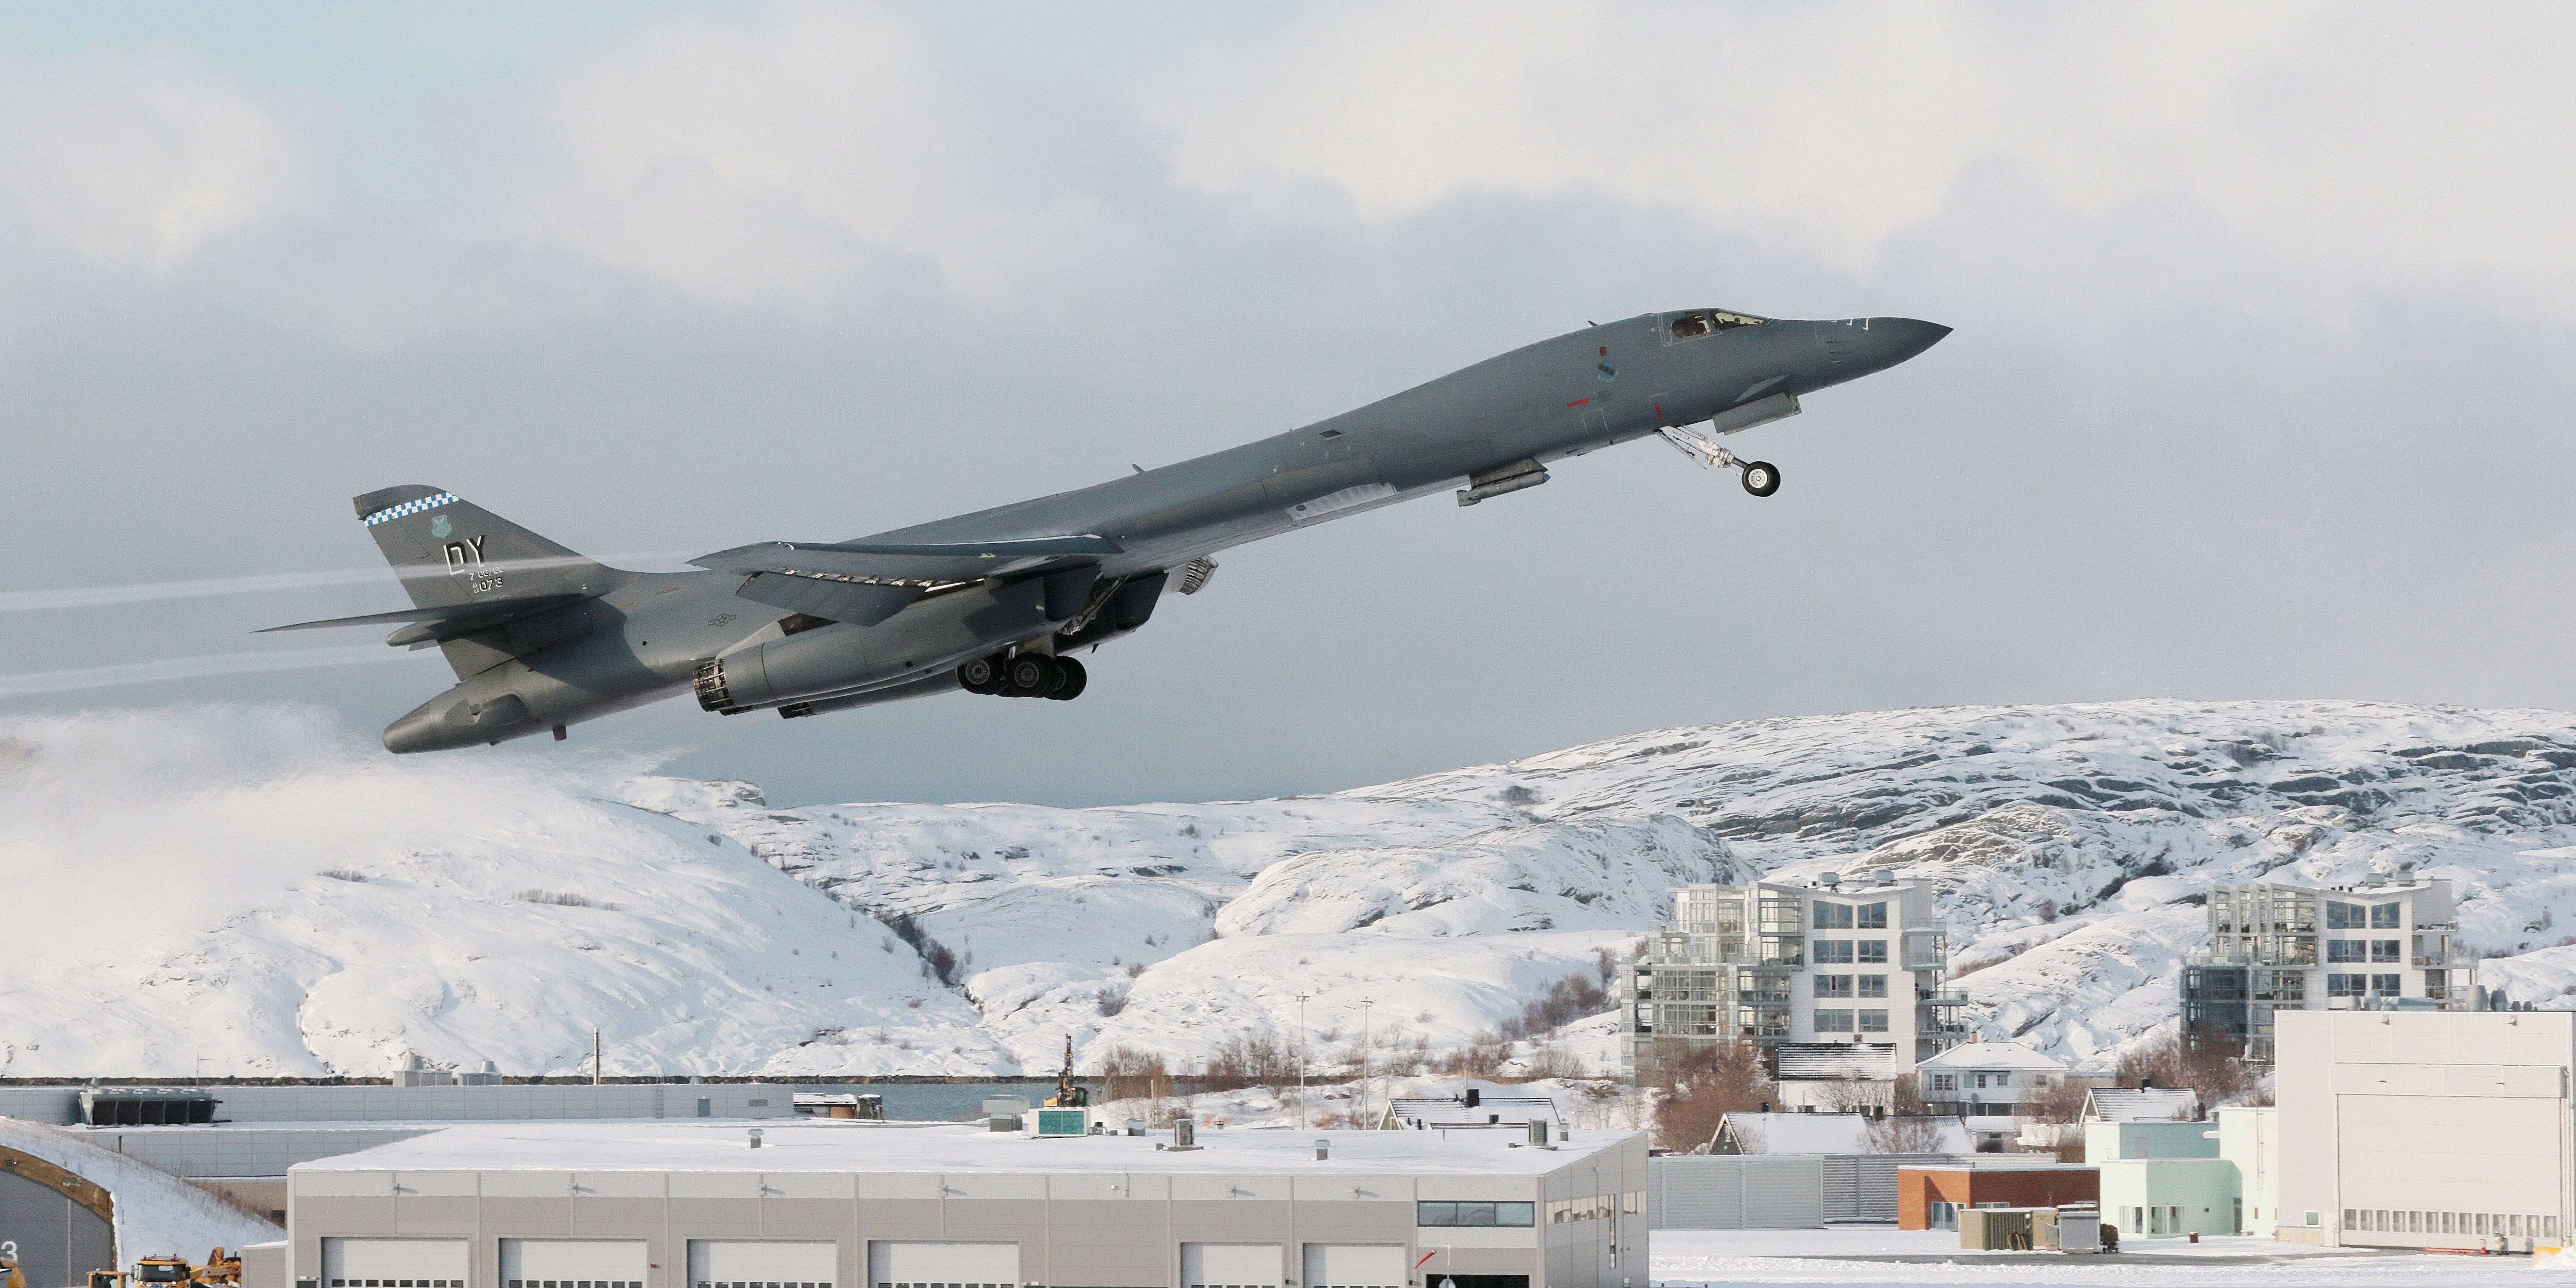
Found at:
[2387, 985]
[2387, 950]
[1945, 1082]
[1873, 916]
[2345, 916]
[1872, 951]
[1833, 952]
[2346, 950]
[1833, 916]
[1873, 1021]
[1479, 1215]
[1833, 985]
[2384, 916]
[2347, 985]
[1833, 1021]
[1873, 986]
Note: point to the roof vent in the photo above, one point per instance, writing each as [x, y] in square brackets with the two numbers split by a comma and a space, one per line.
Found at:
[1323, 1149]
[1829, 879]
[755, 1138]
[1887, 876]
[1475, 1097]
[1538, 1133]
[1185, 1133]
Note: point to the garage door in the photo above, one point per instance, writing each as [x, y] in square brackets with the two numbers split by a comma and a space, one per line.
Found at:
[1354, 1265]
[763, 1263]
[925, 1264]
[572, 1263]
[1230, 1265]
[393, 1263]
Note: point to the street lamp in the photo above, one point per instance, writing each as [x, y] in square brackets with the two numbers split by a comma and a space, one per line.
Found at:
[1365, 1004]
[1304, 1120]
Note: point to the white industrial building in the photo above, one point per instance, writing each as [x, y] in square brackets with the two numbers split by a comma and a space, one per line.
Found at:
[1858, 964]
[814, 1205]
[2427, 1129]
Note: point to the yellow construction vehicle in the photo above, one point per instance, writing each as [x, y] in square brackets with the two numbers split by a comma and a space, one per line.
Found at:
[219, 1268]
[10, 1275]
[168, 1268]
[110, 1279]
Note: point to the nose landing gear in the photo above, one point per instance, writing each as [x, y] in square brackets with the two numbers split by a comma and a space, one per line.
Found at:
[1028, 675]
[1761, 478]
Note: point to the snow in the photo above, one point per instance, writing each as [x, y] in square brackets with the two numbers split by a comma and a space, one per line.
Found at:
[155, 1212]
[1993, 1055]
[883, 1147]
[2066, 844]
[1833, 1134]
[1885, 1255]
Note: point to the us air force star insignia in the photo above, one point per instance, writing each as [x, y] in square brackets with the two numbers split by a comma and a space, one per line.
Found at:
[440, 527]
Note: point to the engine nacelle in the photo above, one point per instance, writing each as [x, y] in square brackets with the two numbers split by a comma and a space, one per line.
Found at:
[928, 637]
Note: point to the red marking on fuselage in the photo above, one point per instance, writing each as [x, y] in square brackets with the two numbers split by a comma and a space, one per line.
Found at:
[1578, 402]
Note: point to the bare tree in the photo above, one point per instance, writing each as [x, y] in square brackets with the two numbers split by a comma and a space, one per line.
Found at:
[1853, 1095]
[1706, 1085]
[1904, 1134]
[2056, 1105]
[2208, 1061]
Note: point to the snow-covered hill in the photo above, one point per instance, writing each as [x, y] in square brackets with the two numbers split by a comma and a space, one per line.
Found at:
[2070, 844]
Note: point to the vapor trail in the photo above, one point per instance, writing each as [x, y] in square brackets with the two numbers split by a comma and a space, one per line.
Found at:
[189, 668]
[20, 601]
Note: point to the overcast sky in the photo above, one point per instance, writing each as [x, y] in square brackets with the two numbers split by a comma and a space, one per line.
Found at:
[2259, 385]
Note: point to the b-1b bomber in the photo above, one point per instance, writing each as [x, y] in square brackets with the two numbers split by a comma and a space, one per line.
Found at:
[999, 601]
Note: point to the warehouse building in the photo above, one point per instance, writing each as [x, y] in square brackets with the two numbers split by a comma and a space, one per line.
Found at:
[2427, 1129]
[814, 1205]
[1775, 1191]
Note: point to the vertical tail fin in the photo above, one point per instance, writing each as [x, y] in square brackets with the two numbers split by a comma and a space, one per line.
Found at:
[449, 551]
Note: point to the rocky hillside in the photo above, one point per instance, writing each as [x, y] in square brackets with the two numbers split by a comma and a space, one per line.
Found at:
[314, 907]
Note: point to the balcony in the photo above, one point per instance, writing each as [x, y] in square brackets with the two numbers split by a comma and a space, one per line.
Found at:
[1939, 997]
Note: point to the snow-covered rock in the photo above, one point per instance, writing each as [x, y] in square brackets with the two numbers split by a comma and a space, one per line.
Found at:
[2070, 846]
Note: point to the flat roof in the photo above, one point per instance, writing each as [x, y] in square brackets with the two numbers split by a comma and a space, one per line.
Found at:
[855, 1147]
[2038, 1165]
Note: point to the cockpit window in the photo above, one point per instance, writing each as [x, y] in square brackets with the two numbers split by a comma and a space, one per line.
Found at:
[1700, 322]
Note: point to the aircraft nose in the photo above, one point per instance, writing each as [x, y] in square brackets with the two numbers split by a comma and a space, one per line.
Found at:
[1898, 339]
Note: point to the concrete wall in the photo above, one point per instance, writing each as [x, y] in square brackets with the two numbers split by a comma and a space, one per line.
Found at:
[340, 1104]
[200, 1153]
[1074, 1230]
[59, 1241]
[2198, 1195]
[2106, 1141]
[2399, 1127]
[2250, 1139]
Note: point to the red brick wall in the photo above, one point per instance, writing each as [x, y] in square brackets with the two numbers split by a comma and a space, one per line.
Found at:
[1917, 1189]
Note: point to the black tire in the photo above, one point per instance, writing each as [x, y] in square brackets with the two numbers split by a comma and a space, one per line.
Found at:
[983, 675]
[1029, 675]
[1761, 478]
[1076, 677]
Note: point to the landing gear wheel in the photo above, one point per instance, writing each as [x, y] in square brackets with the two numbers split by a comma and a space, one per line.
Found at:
[1028, 675]
[983, 675]
[1075, 677]
[1761, 478]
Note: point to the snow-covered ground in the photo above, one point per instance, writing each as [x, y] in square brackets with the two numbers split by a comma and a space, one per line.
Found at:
[1884, 1255]
[155, 1212]
[248, 890]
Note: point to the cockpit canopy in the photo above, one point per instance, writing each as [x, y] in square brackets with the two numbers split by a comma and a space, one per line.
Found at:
[1700, 322]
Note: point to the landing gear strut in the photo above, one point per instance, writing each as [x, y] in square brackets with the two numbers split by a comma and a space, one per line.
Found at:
[1761, 478]
[1028, 675]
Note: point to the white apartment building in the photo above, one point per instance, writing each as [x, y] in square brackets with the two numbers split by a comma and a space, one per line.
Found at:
[2427, 1129]
[2276, 947]
[1857, 965]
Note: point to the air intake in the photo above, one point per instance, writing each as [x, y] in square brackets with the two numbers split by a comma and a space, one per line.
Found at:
[1196, 574]
[712, 695]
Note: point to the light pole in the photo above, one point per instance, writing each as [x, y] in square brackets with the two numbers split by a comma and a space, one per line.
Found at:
[1365, 1004]
[1304, 1119]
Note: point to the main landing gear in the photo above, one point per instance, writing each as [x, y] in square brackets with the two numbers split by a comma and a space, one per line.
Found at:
[1027, 675]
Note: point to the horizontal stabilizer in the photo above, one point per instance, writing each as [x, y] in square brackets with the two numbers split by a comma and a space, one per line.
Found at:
[446, 621]
[921, 565]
